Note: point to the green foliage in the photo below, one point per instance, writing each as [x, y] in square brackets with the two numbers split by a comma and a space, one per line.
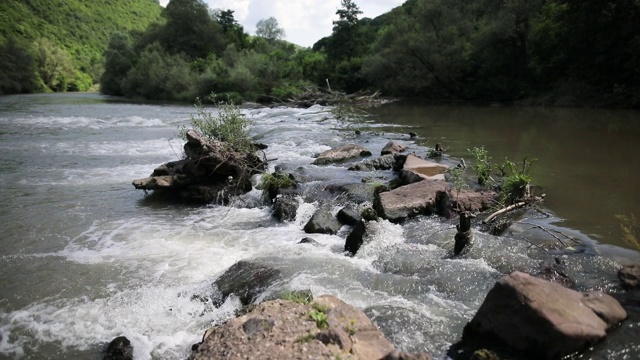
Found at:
[119, 60]
[228, 125]
[54, 65]
[630, 226]
[300, 297]
[271, 183]
[79, 30]
[269, 29]
[17, 68]
[516, 183]
[456, 176]
[305, 339]
[482, 164]
[320, 318]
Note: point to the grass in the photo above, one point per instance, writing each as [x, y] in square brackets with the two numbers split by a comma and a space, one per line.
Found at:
[300, 297]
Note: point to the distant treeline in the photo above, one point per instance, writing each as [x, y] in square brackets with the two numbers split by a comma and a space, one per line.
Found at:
[559, 52]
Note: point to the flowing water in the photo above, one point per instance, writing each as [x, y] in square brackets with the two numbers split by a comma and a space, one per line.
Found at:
[85, 258]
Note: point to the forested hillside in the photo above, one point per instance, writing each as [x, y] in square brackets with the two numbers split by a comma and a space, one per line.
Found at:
[58, 45]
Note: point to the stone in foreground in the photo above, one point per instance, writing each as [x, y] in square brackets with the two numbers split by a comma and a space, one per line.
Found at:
[341, 154]
[540, 319]
[281, 329]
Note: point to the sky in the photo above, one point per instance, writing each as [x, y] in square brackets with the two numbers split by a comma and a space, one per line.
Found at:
[304, 21]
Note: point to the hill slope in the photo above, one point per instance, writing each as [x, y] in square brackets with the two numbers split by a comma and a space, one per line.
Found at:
[81, 27]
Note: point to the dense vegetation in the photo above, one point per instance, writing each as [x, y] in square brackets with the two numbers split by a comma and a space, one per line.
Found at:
[58, 45]
[563, 52]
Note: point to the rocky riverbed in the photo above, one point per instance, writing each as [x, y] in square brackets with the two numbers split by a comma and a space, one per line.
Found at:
[538, 316]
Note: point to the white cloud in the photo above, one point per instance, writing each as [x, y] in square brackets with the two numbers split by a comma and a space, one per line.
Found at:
[304, 21]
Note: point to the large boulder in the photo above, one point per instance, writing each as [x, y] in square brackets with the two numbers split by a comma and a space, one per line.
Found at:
[540, 319]
[410, 200]
[285, 207]
[469, 200]
[416, 169]
[212, 170]
[341, 154]
[322, 222]
[246, 280]
[281, 329]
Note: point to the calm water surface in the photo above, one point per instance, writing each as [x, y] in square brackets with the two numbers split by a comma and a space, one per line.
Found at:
[588, 159]
[85, 258]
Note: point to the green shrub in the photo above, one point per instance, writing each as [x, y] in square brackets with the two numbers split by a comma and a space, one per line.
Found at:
[271, 183]
[516, 183]
[482, 164]
[320, 318]
[228, 125]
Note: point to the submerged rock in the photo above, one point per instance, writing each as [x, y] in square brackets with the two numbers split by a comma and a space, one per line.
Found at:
[322, 222]
[341, 154]
[281, 329]
[355, 238]
[630, 276]
[542, 320]
[119, 349]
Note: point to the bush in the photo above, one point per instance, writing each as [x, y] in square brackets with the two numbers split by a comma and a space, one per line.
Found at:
[482, 164]
[270, 184]
[228, 125]
[516, 183]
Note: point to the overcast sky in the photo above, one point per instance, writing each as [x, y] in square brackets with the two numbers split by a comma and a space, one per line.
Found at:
[304, 21]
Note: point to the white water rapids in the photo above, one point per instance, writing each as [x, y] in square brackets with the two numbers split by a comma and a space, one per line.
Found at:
[85, 258]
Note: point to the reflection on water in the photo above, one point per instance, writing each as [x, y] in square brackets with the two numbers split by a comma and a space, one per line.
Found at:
[587, 158]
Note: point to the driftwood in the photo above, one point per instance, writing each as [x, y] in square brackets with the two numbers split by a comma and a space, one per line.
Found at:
[492, 217]
[327, 97]
[464, 234]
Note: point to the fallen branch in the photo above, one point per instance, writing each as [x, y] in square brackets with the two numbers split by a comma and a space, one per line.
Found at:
[536, 226]
[492, 217]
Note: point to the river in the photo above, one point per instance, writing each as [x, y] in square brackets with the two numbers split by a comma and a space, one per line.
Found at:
[85, 258]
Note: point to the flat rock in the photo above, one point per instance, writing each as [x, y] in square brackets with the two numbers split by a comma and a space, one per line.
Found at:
[385, 162]
[416, 169]
[542, 319]
[282, 329]
[474, 201]
[392, 147]
[341, 154]
[630, 276]
[410, 200]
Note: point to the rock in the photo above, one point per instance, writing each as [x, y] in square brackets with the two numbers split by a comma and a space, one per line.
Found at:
[341, 154]
[369, 214]
[349, 215]
[283, 329]
[309, 240]
[630, 276]
[413, 135]
[464, 234]
[410, 200]
[385, 162]
[399, 355]
[392, 148]
[473, 201]
[355, 238]
[119, 349]
[257, 326]
[285, 207]
[246, 280]
[416, 169]
[322, 222]
[541, 319]
[213, 170]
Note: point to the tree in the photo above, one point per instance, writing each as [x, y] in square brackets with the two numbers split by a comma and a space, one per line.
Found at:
[17, 68]
[233, 32]
[54, 65]
[269, 30]
[190, 30]
[346, 38]
[119, 60]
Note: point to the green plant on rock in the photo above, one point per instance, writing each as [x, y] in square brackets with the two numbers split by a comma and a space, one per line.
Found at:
[320, 318]
[458, 181]
[300, 297]
[482, 164]
[228, 125]
[516, 184]
[271, 183]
